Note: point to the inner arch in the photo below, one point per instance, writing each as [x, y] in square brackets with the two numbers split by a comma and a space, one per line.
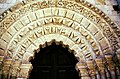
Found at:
[54, 62]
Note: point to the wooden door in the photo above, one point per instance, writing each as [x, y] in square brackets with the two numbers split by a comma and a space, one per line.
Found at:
[54, 62]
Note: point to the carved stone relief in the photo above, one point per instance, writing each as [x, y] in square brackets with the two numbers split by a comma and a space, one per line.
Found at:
[90, 33]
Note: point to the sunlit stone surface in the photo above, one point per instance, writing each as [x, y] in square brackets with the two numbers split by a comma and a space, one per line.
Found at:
[90, 29]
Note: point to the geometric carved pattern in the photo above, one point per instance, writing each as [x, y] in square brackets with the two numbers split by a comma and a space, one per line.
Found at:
[79, 25]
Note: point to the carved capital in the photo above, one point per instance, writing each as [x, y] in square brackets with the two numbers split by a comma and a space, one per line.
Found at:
[83, 69]
[91, 68]
[110, 62]
[6, 66]
[1, 62]
[1, 58]
[15, 68]
[24, 72]
[100, 65]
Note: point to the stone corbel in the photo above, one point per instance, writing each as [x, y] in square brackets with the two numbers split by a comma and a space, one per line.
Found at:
[83, 71]
[6, 68]
[24, 71]
[101, 67]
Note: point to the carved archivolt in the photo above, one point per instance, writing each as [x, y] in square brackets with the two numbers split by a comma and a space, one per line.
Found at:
[86, 30]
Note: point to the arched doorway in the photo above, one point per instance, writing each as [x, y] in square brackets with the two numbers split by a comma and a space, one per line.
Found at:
[80, 25]
[54, 62]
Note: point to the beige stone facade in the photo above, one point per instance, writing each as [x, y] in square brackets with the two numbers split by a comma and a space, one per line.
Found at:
[90, 28]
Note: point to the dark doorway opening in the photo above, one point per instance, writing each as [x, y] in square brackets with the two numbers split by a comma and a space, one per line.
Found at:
[54, 62]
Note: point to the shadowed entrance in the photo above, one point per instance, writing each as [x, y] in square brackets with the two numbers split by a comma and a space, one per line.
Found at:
[54, 62]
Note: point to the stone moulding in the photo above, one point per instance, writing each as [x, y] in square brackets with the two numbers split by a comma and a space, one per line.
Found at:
[28, 23]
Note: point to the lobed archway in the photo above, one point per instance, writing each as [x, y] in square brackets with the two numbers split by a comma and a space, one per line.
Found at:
[54, 61]
[85, 29]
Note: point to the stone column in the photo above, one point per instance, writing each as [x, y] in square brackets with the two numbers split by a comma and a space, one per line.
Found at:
[118, 64]
[118, 56]
[24, 71]
[15, 69]
[83, 70]
[91, 68]
[110, 66]
[1, 65]
[101, 68]
[6, 68]
[117, 73]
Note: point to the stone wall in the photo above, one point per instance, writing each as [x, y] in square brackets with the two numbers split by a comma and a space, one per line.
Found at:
[107, 7]
[5, 4]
